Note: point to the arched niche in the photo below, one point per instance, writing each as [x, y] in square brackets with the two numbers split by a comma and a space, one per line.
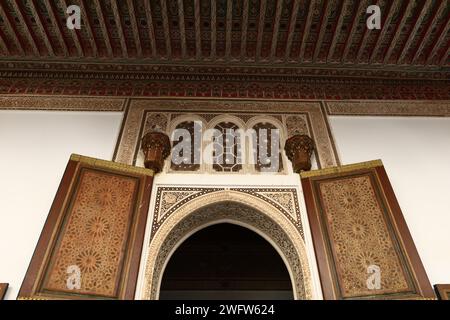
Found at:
[228, 207]
[226, 261]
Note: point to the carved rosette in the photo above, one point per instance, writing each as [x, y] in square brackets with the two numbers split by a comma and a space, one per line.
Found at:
[299, 149]
[156, 147]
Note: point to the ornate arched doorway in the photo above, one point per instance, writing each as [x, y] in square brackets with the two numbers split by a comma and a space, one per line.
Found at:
[226, 261]
[233, 207]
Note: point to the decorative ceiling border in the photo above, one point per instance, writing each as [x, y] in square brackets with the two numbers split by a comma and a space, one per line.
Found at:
[219, 70]
[401, 108]
[55, 103]
[147, 80]
[389, 108]
[198, 87]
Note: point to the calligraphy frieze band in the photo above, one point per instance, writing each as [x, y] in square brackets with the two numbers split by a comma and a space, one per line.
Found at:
[363, 247]
[91, 243]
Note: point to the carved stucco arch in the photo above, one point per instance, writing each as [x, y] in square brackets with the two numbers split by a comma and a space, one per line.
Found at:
[232, 207]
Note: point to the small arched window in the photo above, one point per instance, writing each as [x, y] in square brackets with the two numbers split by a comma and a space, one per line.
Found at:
[268, 148]
[227, 151]
[187, 161]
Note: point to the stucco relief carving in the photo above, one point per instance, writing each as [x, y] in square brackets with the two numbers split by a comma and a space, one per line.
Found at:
[389, 108]
[234, 207]
[169, 199]
[310, 115]
[56, 103]
[297, 124]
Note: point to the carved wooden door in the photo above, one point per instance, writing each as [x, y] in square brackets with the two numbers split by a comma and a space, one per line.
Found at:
[91, 243]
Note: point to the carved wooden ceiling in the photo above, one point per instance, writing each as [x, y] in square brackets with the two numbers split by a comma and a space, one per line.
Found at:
[327, 38]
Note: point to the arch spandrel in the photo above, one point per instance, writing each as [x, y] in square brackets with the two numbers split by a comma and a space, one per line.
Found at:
[231, 207]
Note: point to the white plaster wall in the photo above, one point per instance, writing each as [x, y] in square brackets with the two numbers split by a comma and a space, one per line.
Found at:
[34, 150]
[416, 155]
[35, 147]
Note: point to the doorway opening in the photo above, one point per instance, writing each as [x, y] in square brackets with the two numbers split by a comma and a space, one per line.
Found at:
[226, 261]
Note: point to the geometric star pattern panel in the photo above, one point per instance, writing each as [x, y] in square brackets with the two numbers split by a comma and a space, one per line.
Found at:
[364, 249]
[90, 246]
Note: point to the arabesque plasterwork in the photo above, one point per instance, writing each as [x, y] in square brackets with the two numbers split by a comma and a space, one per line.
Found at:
[389, 108]
[233, 207]
[311, 114]
[169, 199]
[55, 103]
[354, 107]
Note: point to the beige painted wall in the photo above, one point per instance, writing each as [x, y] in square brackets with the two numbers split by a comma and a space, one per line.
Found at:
[34, 150]
[416, 154]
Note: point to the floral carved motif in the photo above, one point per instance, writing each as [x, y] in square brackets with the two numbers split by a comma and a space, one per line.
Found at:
[156, 148]
[299, 149]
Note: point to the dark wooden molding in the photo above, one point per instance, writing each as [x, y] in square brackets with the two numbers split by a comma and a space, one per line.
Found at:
[443, 291]
[3, 289]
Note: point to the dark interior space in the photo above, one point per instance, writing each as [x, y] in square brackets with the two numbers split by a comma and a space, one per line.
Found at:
[226, 261]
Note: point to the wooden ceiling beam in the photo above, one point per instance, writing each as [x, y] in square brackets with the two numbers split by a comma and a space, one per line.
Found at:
[4, 48]
[74, 33]
[245, 9]
[166, 28]
[27, 29]
[439, 42]
[337, 29]
[444, 59]
[90, 32]
[427, 5]
[229, 29]
[198, 34]
[329, 4]
[397, 32]
[105, 32]
[135, 28]
[291, 29]
[427, 34]
[276, 30]
[213, 29]
[42, 30]
[306, 29]
[11, 29]
[118, 21]
[360, 11]
[182, 28]
[151, 28]
[363, 43]
[394, 7]
[57, 27]
[259, 36]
